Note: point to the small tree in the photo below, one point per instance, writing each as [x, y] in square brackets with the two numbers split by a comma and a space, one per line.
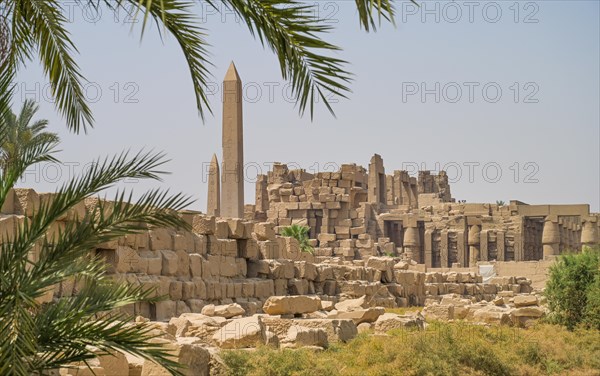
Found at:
[499, 202]
[573, 289]
[299, 233]
[22, 133]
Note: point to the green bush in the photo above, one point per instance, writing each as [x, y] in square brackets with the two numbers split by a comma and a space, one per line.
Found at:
[299, 233]
[573, 289]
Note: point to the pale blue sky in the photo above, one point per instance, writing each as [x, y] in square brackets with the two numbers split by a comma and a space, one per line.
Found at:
[553, 144]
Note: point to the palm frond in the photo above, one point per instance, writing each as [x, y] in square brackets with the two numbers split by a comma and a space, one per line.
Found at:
[45, 30]
[288, 28]
[177, 17]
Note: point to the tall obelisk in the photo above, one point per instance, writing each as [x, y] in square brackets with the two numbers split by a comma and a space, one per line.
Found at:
[232, 174]
[214, 188]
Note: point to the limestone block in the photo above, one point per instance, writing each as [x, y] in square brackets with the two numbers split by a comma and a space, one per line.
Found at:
[306, 270]
[281, 269]
[195, 359]
[165, 310]
[240, 333]
[303, 336]
[248, 249]
[264, 288]
[222, 229]
[195, 263]
[439, 312]
[169, 263]
[259, 267]
[184, 241]
[236, 228]
[286, 305]
[160, 239]
[281, 286]
[269, 249]
[389, 321]
[359, 315]
[181, 308]
[298, 286]
[200, 285]
[525, 300]
[188, 290]
[183, 264]
[491, 315]
[229, 247]
[227, 266]
[227, 310]
[241, 268]
[26, 201]
[248, 230]
[175, 290]
[203, 225]
[352, 304]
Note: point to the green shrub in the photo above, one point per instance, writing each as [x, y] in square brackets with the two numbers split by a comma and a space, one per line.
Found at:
[573, 285]
[299, 233]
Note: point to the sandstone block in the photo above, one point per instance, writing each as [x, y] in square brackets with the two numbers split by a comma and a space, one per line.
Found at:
[240, 333]
[525, 300]
[291, 305]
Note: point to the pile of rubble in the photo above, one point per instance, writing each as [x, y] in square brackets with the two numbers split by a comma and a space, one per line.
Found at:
[507, 308]
[195, 339]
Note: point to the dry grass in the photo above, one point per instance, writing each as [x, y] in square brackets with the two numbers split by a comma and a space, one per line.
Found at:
[442, 349]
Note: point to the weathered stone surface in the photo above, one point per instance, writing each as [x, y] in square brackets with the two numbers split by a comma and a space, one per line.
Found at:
[303, 336]
[389, 321]
[359, 315]
[525, 300]
[491, 315]
[291, 305]
[227, 310]
[352, 304]
[439, 312]
[194, 357]
[240, 333]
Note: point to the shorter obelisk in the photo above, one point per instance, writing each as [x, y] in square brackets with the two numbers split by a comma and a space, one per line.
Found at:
[213, 206]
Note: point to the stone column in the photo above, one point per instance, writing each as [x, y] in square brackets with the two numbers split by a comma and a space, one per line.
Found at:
[551, 237]
[483, 246]
[411, 243]
[213, 205]
[589, 232]
[501, 245]
[444, 249]
[232, 194]
[474, 241]
[428, 248]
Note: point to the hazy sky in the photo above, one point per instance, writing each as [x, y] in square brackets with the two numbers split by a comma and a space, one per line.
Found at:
[504, 94]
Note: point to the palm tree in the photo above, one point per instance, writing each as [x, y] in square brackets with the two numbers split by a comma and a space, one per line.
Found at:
[38, 335]
[287, 27]
[299, 233]
[21, 134]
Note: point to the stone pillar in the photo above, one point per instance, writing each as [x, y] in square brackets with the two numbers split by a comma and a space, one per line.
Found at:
[444, 248]
[501, 245]
[474, 241]
[461, 248]
[483, 246]
[213, 205]
[377, 181]
[428, 248]
[262, 195]
[589, 232]
[551, 237]
[411, 243]
[232, 194]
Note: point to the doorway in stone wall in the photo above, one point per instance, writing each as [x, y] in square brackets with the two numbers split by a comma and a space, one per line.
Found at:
[395, 232]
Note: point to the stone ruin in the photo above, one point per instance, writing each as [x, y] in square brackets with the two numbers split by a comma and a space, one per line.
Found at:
[354, 213]
[381, 241]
